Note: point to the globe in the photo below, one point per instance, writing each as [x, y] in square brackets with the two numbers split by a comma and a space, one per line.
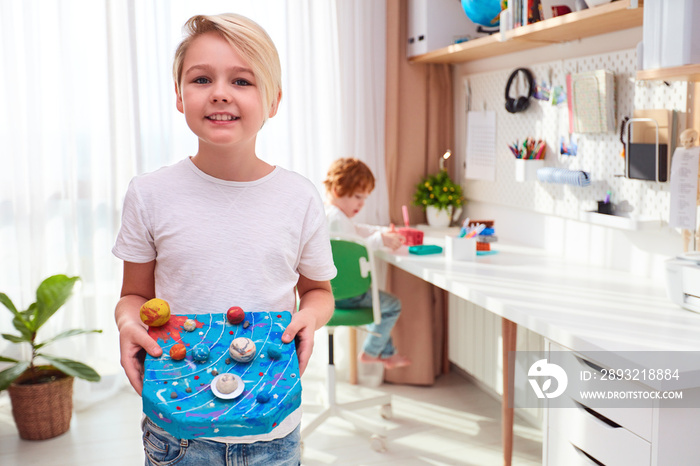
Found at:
[483, 12]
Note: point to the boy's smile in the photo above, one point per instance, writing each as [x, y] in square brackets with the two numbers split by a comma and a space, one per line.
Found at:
[219, 95]
[222, 117]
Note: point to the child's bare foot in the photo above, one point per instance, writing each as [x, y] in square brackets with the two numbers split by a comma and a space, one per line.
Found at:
[395, 361]
[391, 362]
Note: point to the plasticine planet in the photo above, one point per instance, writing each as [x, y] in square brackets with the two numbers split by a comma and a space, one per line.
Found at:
[235, 315]
[155, 312]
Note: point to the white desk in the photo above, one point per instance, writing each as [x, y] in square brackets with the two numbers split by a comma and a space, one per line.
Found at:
[580, 307]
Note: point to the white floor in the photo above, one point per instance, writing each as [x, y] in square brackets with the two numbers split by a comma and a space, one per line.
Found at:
[451, 423]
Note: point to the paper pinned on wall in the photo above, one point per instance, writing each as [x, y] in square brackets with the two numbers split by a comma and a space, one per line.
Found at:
[684, 188]
[593, 101]
[481, 146]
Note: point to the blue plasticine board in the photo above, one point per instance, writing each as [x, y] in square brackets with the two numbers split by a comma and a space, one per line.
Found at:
[197, 412]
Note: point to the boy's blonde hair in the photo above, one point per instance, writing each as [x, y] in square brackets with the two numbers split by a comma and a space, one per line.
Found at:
[247, 38]
[348, 176]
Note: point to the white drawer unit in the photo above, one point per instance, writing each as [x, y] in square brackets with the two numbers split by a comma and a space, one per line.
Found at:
[578, 434]
[563, 452]
[594, 437]
[638, 420]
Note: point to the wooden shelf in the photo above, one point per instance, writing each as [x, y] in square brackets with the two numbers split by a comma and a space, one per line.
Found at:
[678, 73]
[611, 17]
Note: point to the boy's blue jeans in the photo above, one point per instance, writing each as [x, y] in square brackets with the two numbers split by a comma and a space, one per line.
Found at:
[162, 449]
[379, 345]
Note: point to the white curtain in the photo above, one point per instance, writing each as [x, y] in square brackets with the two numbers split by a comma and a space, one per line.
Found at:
[87, 102]
[362, 60]
[58, 193]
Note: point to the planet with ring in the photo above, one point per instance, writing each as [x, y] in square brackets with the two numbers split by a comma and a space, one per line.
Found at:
[222, 383]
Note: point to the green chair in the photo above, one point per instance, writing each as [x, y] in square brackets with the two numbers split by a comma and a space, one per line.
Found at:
[355, 270]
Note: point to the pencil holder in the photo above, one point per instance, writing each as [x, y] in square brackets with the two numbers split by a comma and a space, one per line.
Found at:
[526, 169]
[605, 207]
[460, 249]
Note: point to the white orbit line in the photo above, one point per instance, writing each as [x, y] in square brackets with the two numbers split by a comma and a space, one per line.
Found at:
[196, 391]
[235, 363]
[286, 393]
[234, 405]
[189, 363]
[260, 381]
[269, 330]
[283, 371]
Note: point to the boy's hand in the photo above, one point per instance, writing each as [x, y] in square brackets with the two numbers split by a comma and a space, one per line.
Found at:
[392, 239]
[315, 309]
[134, 342]
[301, 329]
[138, 286]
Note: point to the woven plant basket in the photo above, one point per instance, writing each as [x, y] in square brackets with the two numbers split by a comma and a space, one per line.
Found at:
[42, 410]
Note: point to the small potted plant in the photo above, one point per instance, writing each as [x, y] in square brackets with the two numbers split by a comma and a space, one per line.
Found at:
[42, 395]
[440, 197]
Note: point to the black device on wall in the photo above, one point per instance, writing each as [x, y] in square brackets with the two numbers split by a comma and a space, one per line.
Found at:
[518, 104]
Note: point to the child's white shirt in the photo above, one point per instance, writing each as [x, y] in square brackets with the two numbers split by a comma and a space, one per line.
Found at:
[341, 224]
[222, 243]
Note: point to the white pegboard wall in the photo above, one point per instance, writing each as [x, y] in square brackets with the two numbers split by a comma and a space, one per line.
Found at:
[598, 154]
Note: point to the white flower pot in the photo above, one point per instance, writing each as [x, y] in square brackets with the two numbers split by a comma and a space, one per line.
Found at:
[439, 217]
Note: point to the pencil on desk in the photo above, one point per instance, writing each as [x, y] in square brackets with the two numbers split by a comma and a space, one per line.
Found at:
[404, 210]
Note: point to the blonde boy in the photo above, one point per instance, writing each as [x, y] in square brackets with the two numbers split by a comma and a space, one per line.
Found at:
[224, 228]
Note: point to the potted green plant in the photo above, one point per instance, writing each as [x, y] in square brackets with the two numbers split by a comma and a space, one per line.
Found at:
[42, 395]
[440, 197]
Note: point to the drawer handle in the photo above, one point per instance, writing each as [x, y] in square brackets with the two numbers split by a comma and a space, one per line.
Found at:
[587, 456]
[593, 366]
[597, 415]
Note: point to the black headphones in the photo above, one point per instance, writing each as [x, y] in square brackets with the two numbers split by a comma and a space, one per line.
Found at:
[522, 102]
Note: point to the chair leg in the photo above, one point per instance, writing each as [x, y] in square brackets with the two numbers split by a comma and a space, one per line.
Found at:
[345, 410]
[361, 423]
[318, 420]
[330, 376]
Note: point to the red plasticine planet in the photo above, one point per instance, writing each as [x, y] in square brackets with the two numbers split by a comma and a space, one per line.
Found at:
[235, 315]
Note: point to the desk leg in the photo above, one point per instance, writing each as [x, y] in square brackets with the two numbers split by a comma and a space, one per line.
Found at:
[353, 355]
[509, 331]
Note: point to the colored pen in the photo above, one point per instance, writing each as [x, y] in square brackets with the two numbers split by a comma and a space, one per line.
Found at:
[478, 229]
[463, 230]
[404, 209]
[540, 151]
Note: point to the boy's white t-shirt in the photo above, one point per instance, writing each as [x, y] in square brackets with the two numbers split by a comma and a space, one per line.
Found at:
[341, 224]
[222, 243]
